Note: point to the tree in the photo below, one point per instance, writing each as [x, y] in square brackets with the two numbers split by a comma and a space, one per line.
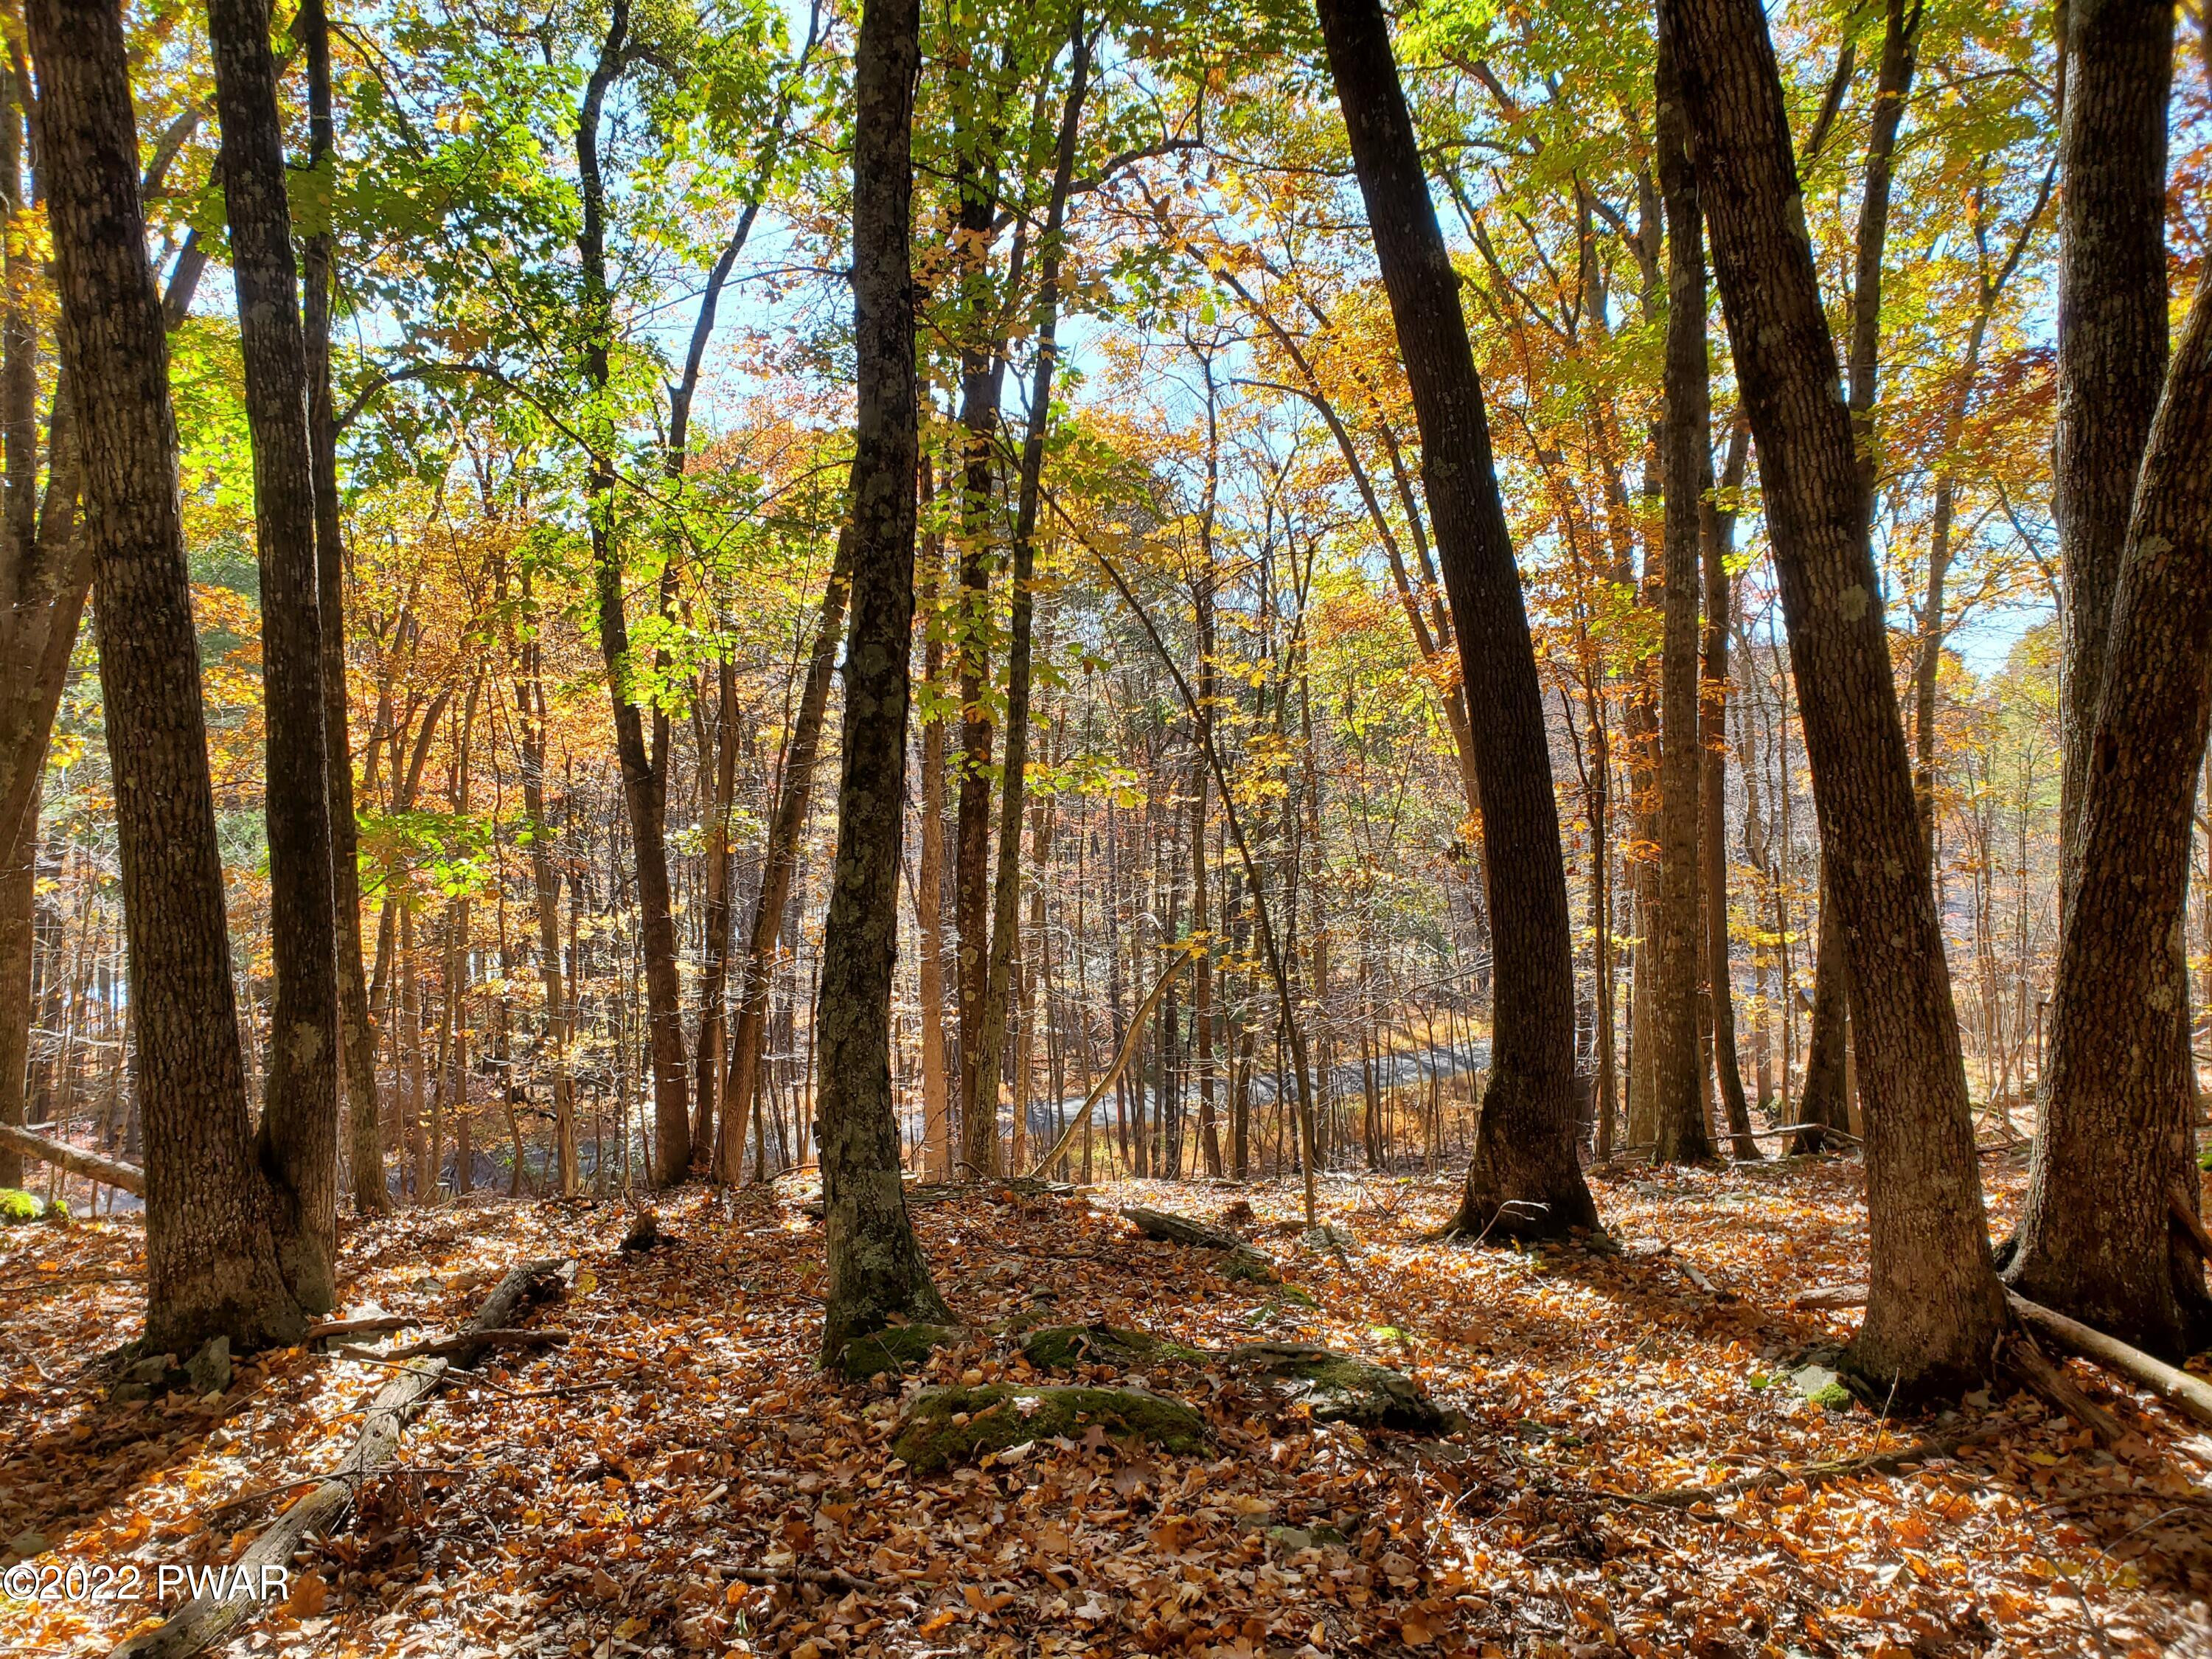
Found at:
[1934, 1307]
[356, 1037]
[298, 1139]
[1685, 461]
[2134, 518]
[1525, 1179]
[877, 1273]
[212, 1267]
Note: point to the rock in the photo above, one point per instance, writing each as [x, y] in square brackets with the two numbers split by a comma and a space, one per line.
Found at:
[1340, 1388]
[123, 1393]
[210, 1368]
[1822, 1386]
[1294, 1538]
[943, 1426]
[57, 1213]
[16, 1206]
[1247, 1266]
[151, 1370]
[25, 1545]
[1063, 1348]
[893, 1349]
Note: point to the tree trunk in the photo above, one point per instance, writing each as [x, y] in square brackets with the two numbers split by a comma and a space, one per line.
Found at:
[211, 1258]
[1935, 1305]
[1826, 1096]
[2117, 62]
[779, 866]
[1717, 534]
[644, 769]
[299, 1135]
[1525, 1179]
[1005, 895]
[1685, 458]
[929, 877]
[356, 1036]
[2096, 1241]
[877, 1273]
[713, 996]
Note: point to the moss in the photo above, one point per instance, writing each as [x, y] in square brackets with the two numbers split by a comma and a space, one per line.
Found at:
[1337, 1388]
[944, 1425]
[892, 1349]
[1247, 1267]
[16, 1206]
[1835, 1398]
[1063, 1348]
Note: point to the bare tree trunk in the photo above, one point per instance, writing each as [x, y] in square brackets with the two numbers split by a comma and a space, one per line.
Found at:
[1717, 534]
[1007, 889]
[1685, 456]
[644, 768]
[356, 1037]
[211, 1258]
[877, 1273]
[713, 993]
[929, 877]
[1525, 1179]
[298, 1139]
[1935, 1306]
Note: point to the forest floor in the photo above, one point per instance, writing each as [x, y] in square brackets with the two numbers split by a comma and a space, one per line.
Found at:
[594, 1499]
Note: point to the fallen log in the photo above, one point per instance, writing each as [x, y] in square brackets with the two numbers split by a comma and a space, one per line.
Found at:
[1171, 1229]
[2190, 1395]
[468, 1342]
[367, 1325]
[2033, 1367]
[207, 1620]
[128, 1176]
[1825, 1297]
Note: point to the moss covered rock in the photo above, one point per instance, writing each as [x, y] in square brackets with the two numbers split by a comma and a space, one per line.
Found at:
[1063, 1348]
[946, 1426]
[1337, 1388]
[1247, 1266]
[16, 1206]
[893, 1349]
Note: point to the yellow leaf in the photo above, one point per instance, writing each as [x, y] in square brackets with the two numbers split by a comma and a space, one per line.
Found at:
[587, 1283]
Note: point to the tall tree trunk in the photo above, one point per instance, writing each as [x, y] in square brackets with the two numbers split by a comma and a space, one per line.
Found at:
[1005, 895]
[1525, 1179]
[644, 768]
[299, 1133]
[1826, 1096]
[713, 996]
[211, 1258]
[356, 1036]
[1830, 1039]
[779, 866]
[2118, 71]
[877, 1273]
[2118, 1116]
[1935, 1306]
[1717, 534]
[1686, 459]
[929, 876]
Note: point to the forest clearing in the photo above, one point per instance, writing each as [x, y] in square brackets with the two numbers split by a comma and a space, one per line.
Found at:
[1048, 827]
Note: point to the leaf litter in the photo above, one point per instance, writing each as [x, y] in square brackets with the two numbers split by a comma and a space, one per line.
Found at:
[679, 1479]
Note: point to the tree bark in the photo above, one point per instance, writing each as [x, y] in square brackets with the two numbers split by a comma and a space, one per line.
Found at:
[644, 768]
[356, 1036]
[2096, 1241]
[298, 1139]
[1716, 535]
[2116, 61]
[1686, 459]
[929, 876]
[1525, 1179]
[211, 1258]
[876, 1269]
[1935, 1305]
